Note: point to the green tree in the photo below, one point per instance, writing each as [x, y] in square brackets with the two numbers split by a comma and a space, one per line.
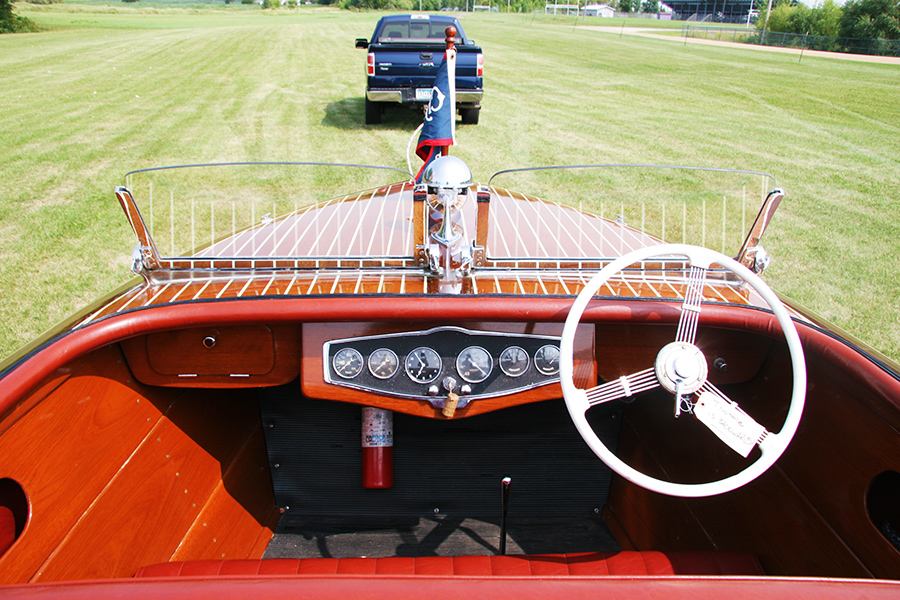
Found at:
[779, 20]
[871, 19]
[829, 21]
[374, 4]
[6, 11]
[799, 18]
[12, 23]
[650, 6]
[627, 5]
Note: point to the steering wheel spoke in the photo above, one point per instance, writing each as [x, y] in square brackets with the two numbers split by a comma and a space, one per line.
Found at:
[623, 387]
[690, 308]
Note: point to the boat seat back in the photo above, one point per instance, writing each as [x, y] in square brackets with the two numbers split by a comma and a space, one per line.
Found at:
[592, 564]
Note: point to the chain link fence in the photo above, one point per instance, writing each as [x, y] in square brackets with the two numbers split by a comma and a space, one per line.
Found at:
[793, 40]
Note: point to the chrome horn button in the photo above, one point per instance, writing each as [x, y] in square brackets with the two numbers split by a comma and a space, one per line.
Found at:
[681, 368]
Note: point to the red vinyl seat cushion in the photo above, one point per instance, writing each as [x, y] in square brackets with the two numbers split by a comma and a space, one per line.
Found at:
[591, 564]
[7, 529]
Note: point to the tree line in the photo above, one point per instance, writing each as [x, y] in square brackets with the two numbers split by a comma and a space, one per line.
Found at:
[861, 19]
[516, 6]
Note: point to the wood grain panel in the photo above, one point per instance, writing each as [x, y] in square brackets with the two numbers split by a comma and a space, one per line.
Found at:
[66, 450]
[237, 514]
[242, 356]
[247, 349]
[146, 510]
[44, 389]
[314, 385]
[840, 447]
[624, 348]
[774, 519]
[771, 517]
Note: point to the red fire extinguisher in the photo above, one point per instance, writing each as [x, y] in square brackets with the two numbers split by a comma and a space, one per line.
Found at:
[377, 448]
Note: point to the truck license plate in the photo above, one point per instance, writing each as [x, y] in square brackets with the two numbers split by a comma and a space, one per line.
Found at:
[423, 94]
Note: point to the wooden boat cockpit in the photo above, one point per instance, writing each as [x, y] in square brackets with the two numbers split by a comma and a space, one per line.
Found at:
[414, 385]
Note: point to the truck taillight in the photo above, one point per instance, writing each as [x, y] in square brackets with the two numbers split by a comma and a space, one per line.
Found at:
[480, 65]
[370, 64]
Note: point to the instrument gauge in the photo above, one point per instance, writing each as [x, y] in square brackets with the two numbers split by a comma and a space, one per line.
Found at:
[474, 364]
[423, 365]
[383, 363]
[546, 360]
[347, 363]
[514, 361]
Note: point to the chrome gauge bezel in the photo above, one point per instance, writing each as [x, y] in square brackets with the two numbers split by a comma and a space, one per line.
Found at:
[474, 355]
[541, 362]
[383, 363]
[355, 366]
[505, 359]
[426, 357]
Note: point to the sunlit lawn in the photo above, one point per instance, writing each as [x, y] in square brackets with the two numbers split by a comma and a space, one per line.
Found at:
[111, 89]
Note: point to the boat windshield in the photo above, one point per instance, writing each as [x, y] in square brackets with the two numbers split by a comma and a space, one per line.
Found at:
[272, 211]
[712, 208]
[254, 210]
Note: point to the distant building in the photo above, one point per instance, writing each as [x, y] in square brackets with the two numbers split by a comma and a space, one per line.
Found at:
[716, 11]
[598, 10]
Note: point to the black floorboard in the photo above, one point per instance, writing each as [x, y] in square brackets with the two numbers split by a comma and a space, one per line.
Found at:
[438, 536]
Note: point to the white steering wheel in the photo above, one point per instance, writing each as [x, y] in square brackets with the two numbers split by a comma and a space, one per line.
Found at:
[681, 368]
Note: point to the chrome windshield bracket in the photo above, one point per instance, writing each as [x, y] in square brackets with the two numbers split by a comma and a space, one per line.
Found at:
[751, 243]
[757, 259]
[140, 257]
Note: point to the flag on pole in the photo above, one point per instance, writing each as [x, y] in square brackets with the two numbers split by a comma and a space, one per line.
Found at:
[439, 128]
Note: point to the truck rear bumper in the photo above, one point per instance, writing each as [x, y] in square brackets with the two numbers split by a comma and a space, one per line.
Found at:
[408, 95]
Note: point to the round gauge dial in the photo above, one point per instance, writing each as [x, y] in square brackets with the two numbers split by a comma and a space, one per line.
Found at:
[514, 361]
[423, 365]
[474, 364]
[546, 360]
[383, 363]
[347, 363]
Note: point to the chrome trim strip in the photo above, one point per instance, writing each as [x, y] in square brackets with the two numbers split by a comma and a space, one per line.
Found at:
[396, 95]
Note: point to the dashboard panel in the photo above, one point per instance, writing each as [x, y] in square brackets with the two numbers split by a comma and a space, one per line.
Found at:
[432, 363]
[413, 367]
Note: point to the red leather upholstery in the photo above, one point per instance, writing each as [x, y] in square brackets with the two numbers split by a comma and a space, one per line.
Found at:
[542, 565]
[7, 529]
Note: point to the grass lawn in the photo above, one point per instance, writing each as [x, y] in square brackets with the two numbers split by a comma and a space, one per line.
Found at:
[110, 88]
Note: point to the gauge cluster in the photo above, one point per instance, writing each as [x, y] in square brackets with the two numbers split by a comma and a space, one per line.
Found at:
[430, 364]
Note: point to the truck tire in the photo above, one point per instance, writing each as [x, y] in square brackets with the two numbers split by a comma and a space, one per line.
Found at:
[470, 115]
[373, 112]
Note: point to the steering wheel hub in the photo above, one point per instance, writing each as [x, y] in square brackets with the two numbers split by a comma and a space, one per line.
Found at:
[681, 365]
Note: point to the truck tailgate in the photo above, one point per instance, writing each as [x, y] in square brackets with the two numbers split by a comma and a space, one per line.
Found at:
[417, 67]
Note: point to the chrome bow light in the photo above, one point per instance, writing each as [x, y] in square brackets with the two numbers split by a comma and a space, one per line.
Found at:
[449, 178]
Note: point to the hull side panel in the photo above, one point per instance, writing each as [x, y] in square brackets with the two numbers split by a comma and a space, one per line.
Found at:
[118, 475]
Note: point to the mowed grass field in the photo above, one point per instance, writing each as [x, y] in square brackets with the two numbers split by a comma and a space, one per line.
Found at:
[108, 89]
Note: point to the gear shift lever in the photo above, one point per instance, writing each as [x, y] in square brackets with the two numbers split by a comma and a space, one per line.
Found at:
[504, 488]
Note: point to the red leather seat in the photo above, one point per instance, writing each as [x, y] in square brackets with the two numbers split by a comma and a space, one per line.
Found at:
[517, 565]
[7, 529]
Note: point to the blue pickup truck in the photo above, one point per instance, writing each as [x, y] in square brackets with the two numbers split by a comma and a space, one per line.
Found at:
[403, 59]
